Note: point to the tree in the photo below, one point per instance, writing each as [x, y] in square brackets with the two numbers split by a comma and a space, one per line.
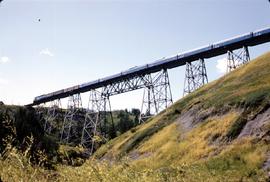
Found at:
[125, 123]
[136, 113]
[112, 131]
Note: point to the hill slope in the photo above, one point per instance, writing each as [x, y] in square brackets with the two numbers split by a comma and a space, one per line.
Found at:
[221, 132]
[218, 133]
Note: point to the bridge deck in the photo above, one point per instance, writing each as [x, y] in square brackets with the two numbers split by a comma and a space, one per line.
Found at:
[212, 50]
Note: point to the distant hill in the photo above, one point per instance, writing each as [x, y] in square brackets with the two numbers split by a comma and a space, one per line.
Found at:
[221, 132]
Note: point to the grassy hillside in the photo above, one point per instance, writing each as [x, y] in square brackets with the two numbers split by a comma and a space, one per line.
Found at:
[197, 139]
[226, 103]
[221, 132]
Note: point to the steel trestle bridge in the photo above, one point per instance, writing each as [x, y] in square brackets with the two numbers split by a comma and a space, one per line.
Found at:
[153, 78]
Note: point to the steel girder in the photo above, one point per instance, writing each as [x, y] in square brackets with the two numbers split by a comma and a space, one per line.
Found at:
[53, 112]
[157, 94]
[195, 76]
[95, 121]
[157, 86]
[237, 58]
[125, 85]
[73, 115]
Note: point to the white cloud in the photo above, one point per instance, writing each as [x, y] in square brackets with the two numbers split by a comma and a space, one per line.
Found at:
[4, 59]
[46, 52]
[222, 65]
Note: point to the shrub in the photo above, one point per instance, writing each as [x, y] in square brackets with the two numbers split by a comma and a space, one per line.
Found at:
[236, 128]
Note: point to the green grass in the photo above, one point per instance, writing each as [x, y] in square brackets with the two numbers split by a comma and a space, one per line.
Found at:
[236, 128]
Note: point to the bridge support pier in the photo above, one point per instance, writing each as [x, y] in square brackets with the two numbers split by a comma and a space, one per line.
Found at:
[237, 58]
[195, 77]
[157, 94]
[73, 115]
[95, 128]
[51, 115]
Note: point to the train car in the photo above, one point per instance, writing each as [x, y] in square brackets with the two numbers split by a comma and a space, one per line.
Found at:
[66, 90]
[197, 51]
[180, 55]
[123, 73]
[141, 68]
[48, 95]
[131, 70]
[190, 53]
[70, 89]
[38, 98]
[76, 87]
[101, 80]
[171, 58]
[136, 69]
[166, 60]
[58, 92]
[237, 39]
[158, 62]
[118, 75]
[110, 78]
[88, 84]
[217, 45]
[85, 84]
[95, 82]
[261, 32]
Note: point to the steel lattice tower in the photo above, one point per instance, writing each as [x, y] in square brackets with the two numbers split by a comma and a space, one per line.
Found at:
[71, 118]
[237, 58]
[195, 77]
[95, 123]
[51, 115]
[157, 94]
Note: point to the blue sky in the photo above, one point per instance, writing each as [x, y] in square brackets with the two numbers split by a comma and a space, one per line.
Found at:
[80, 41]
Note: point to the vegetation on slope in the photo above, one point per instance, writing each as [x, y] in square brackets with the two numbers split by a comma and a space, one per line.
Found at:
[20, 128]
[25, 151]
[210, 142]
[245, 89]
[122, 121]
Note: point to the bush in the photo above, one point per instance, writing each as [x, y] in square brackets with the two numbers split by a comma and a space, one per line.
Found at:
[236, 128]
[21, 128]
[255, 98]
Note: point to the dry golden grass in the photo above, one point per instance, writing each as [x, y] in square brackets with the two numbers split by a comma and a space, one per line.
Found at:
[16, 166]
[168, 156]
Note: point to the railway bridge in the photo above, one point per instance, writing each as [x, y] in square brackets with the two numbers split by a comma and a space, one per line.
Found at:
[152, 77]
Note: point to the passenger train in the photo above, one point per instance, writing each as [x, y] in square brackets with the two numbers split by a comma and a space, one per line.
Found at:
[179, 59]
